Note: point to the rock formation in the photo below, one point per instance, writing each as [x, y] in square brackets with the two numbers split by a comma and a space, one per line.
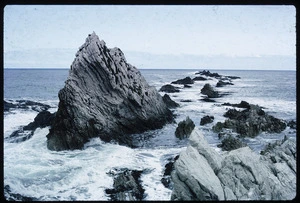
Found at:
[106, 97]
[127, 186]
[169, 89]
[206, 119]
[209, 91]
[184, 81]
[250, 122]
[203, 174]
[169, 102]
[184, 128]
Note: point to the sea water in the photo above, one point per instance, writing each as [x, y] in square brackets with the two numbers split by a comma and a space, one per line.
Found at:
[30, 169]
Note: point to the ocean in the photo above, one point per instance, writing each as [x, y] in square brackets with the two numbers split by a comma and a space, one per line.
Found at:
[31, 170]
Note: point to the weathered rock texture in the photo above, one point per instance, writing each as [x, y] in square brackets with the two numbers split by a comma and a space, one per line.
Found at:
[250, 122]
[203, 174]
[106, 97]
[184, 128]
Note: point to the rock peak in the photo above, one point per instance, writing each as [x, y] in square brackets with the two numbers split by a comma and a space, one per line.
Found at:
[106, 97]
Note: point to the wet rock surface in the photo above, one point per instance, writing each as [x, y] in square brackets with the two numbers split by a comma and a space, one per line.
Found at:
[42, 120]
[169, 102]
[209, 91]
[106, 97]
[169, 89]
[241, 174]
[206, 119]
[184, 128]
[169, 167]
[230, 143]
[25, 104]
[127, 185]
[184, 81]
[250, 122]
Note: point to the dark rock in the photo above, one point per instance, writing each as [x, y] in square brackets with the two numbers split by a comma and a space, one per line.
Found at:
[222, 83]
[250, 122]
[169, 102]
[25, 104]
[9, 196]
[186, 80]
[184, 128]
[185, 100]
[169, 167]
[127, 186]
[230, 143]
[42, 120]
[292, 124]
[209, 74]
[169, 88]
[233, 77]
[209, 91]
[187, 86]
[199, 78]
[242, 104]
[206, 120]
[206, 99]
[106, 97]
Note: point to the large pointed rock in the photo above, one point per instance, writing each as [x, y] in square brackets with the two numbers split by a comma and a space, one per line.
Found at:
[106, 97]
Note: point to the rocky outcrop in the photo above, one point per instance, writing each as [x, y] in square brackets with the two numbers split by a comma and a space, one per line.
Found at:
[42, 120]
[206, 119]
[169, 102]
[127, 186]
[199, 78]
[25, 104]
[250, 122]
[169, 89]
[203, 174]
[184, 81]
[169, 167]
[184, 128]
[106, 97]
[222, 83]
[242, 104]
[209, 91]
[230, 143]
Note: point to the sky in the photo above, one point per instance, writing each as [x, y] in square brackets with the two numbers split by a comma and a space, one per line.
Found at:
[154, 36]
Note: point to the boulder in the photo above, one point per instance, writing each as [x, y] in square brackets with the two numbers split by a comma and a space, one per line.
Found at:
[106, 97]
[169, 88]
[206, 119]
[230, 143]
[209, 91]
[200, 173]
[199, 78]
[184, 128]
[292, 124]
[169, 167]
[169, 102]
[184, 81]
[127, 186]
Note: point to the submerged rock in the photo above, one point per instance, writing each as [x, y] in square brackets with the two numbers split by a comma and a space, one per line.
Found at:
[127, 186]
[169, 89]
[242, 104]
[199, 78]
[200, 173]
[169, 102]
[106, 97]
[184, 128]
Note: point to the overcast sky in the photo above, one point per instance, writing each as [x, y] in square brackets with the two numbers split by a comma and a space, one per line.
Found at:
[230, 31]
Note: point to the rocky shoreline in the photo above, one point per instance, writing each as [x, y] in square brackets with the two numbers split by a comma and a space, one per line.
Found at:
[106, 97]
